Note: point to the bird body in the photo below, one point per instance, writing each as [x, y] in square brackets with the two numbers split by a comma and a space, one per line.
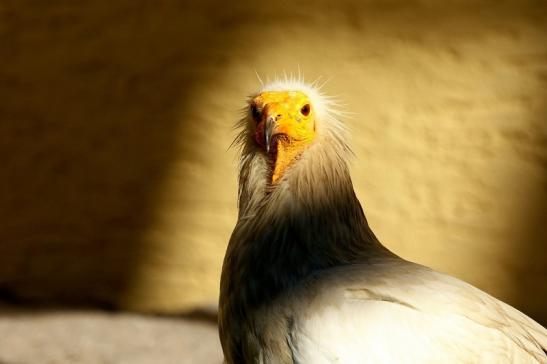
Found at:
[305, 280]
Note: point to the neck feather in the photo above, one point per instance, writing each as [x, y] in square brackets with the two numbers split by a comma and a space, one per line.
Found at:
[309, 220]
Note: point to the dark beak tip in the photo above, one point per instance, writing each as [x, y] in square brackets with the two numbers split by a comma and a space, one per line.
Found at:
[268, 131]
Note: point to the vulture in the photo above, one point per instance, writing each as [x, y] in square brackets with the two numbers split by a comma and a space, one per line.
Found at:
[304, 278]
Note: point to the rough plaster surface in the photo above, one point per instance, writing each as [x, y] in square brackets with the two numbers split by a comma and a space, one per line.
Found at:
[118, 186]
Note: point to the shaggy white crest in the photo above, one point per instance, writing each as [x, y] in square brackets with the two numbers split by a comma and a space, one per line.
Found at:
[327, 153]
[327, 109]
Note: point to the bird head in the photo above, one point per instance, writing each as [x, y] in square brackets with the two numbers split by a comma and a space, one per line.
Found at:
[287, 118]
[285, 126]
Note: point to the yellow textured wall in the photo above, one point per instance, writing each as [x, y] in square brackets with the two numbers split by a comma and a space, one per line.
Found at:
[117, 185]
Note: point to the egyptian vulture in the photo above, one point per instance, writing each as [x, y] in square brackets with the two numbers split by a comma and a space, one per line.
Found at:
[305, 280]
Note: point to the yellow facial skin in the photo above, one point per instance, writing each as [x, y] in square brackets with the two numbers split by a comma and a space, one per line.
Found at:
[285, 126]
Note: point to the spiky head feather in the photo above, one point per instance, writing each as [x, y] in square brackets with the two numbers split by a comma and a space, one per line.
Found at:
[329, 147]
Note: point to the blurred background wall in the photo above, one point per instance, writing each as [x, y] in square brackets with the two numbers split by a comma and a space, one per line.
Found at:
[118, 187]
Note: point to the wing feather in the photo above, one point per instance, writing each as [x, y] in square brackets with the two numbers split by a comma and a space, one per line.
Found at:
[396, 311]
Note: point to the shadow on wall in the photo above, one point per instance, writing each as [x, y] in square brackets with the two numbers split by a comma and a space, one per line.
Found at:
[93, 105]
[531, 222]
[91, 97]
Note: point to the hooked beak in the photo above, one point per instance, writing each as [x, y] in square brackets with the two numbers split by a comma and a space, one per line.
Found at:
[269, 129]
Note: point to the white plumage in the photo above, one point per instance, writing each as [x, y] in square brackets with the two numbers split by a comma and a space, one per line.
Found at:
[392, 311]
[306, 281]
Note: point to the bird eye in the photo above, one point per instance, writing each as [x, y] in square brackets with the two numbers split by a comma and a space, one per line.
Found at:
[305, 110]
[255, 112]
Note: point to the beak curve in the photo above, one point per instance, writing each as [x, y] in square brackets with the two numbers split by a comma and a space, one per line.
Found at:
[269, 129]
